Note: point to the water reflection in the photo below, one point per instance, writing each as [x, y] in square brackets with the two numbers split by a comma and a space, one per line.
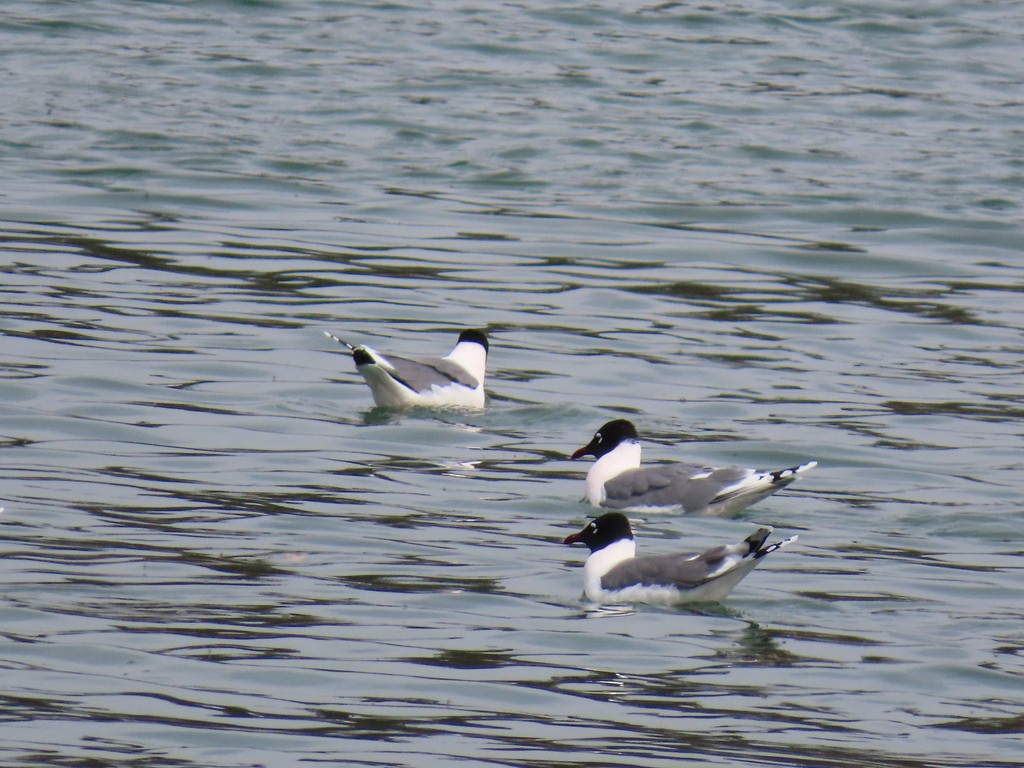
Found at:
[758, 645]
[421, 583]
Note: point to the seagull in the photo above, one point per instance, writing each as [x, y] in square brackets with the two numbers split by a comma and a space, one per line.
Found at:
[398, 382]
[613, 572]
[616, 481]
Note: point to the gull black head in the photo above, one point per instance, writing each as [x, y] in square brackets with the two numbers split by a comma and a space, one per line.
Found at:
[607, 439]
[604, 530]
[475, 336]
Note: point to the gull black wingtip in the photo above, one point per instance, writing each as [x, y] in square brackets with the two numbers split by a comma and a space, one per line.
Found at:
[330, 335]
[757, 539]
[767, 550]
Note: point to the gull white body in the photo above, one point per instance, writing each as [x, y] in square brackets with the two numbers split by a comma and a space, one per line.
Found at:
[617, 481]
[720, 582]
[457, 379]
[392, 393]
[614, 574]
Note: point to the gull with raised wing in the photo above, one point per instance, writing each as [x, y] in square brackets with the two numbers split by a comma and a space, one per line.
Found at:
[457, 379]
[617, 481]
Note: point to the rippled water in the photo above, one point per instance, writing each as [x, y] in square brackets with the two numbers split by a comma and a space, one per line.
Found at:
[766, 232]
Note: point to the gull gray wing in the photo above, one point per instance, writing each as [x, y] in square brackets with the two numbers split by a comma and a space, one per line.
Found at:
[689, 570]
[421, 375]
[684, 571]
[688, 486]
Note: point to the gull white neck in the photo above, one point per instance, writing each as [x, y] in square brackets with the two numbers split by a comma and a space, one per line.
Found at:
[472, 357]
[602, 561]
[625, 456]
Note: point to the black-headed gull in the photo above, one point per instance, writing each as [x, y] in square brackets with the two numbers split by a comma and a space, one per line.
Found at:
[616, 481]
[613, 572]
[398, 382]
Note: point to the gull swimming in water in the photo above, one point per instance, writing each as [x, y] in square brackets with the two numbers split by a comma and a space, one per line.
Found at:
[617, 481]
[456, 379]
[613, 572]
